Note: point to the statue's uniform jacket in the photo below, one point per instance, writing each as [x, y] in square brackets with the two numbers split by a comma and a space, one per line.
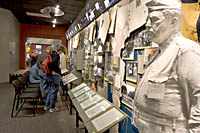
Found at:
[178, 69]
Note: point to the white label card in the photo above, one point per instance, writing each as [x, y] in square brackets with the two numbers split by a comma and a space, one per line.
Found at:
[156, 90]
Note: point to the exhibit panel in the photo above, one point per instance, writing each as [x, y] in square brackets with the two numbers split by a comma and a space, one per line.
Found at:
[110, 61]
[118, 50]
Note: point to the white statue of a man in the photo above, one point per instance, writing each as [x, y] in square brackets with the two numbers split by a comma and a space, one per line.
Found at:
[167, 98]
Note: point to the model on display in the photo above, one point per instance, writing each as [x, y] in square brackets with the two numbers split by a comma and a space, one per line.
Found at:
[168, 96]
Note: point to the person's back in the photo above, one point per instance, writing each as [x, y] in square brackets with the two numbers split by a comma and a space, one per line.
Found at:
[54, 79]
[54, 64]
[40, 58]
[44, 81]
[34, 74]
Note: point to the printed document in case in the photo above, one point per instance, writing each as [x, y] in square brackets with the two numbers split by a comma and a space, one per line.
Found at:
[85, 96]
[98, 108]
[78, 87]
[90, 101]
[79, 92]
[107, 119]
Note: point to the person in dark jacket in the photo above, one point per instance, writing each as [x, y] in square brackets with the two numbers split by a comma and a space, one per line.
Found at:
[54, 80]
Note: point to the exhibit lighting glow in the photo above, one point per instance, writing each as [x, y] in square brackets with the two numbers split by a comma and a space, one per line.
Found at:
[97, 6]
[54, 25]
[57, 6]
[54, 21]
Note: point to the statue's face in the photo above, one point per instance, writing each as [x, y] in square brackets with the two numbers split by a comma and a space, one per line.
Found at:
[157, 27]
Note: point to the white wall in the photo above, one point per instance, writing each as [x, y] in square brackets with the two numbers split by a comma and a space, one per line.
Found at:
[9, 41]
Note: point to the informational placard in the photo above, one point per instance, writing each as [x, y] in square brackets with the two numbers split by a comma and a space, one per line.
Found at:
[98, 108]
[104, 27]
[85, 96]
[107, 119]
[91, 33]
[12, 47]
[97, 113]
[113, 15]
[76, 40]
[91, 101]
[81, 91]
[69, 78]
[78, 87]
[64, 71]
[121, 30]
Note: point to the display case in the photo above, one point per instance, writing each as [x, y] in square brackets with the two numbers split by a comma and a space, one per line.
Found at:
[97, 113]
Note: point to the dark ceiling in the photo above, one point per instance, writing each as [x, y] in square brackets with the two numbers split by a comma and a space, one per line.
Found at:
[71, 9]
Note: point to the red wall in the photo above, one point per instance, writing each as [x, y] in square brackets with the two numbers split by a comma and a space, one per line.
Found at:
[31, 30]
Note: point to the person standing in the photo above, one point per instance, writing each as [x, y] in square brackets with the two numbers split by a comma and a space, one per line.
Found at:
[44, 81]
[167, 99]
[54, 80]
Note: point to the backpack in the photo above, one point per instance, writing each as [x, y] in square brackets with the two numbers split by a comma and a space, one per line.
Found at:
[44, 65]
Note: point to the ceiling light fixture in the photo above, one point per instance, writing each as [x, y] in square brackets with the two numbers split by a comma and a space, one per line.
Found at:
[56, 11]
[54, 21]
[57, 6]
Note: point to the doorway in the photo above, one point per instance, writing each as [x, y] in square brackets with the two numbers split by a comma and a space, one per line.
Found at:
[35, 46]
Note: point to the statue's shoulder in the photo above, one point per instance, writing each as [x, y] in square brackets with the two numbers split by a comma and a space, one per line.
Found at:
[186, 45]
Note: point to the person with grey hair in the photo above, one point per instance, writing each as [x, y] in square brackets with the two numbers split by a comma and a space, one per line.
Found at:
[43, 82]
[167, 98]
